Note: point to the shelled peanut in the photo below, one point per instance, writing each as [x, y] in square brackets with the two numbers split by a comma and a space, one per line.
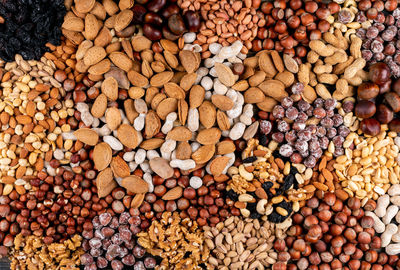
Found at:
[369, 166]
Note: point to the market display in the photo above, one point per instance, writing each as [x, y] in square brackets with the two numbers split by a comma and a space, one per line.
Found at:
[200, 134]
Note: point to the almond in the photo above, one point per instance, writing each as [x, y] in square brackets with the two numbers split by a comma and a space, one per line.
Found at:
[166, 106]
[309, 94]
[240, 85]
[109, 87]
[125, 4]
[173, 194]
[183, 110]
[171, 59]
[209, 136]
[207, 114]
[146, 69]
[76, 38]
[266, 65]
[141, 43]
[179, 134]
[128, 136]
[225, 147]
[137, 79]
[102, 155]
[196, 96]
[183, 151]
[169, 45]
[290, 64]
[105, 183]
[103, 38]
[94, 55]
[225, 74]
[158, 97]
[203, 154]
[110, 6]
[187, 81]
[99, 106]
[161, 78]
[87, 136]
[73, 24]
[152, 144]
[121, 60]
[174, 91]
[267, 105]
[286, 78]
[277, 59]
[99, 11]
[119, 167]
[223, 120]
[152, 124]
[123, 19]
[23, 119]
[257, 78]
[30, 110]
[161, 167]
[130, 110]
[100, 68]
[274, 89]
[84, 6]
[189, 61]
[137, 200]
[222, 102]
[253, 95]
[218, 165]
[135, 184]
[92, 27]
[120, 76]
[113, 118]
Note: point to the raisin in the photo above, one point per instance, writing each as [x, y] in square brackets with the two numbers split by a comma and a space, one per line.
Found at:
[263, 140]
[249, 160]
[288, 181]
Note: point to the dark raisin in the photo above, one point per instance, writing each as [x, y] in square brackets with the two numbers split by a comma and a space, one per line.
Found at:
[249, 160]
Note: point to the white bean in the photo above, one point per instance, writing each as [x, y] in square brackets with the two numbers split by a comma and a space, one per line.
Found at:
[219, 88]
[207, 83]
[193, 120]
[129, 156]
[168, 146]
[152, 154]
[189, 37]
[145, 166]
[214, 48]
[237, 131]
[195, 182]
[149, 180]
[132, 166]
[138, 124]
[186, 164]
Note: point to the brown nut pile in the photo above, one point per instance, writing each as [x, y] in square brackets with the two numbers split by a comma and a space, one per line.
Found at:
[96, 27]
[35, 111]
[241, 243]
[31, 253]
[331, 233]
[179, 242]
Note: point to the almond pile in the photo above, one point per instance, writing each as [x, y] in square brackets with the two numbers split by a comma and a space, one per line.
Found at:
[96, 28]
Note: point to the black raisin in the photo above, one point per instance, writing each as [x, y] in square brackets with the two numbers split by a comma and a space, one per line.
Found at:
[249, 159]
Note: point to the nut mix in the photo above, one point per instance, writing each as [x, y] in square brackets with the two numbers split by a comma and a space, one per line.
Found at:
[194, 134]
